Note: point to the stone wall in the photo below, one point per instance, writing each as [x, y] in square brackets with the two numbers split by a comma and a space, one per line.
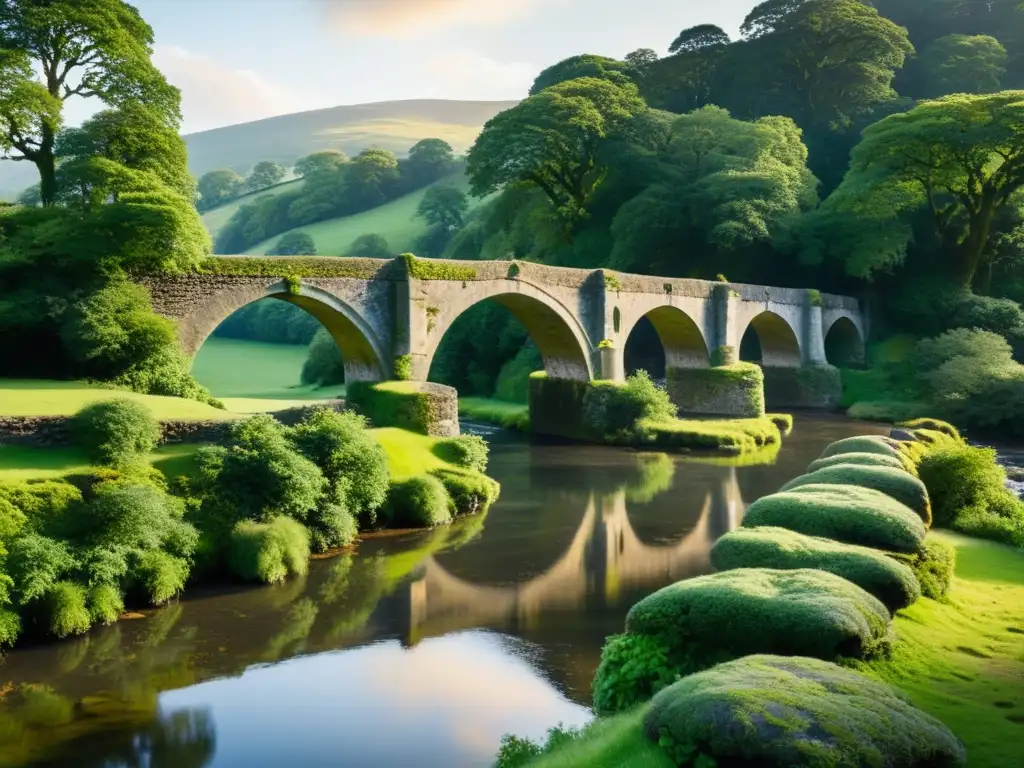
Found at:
[557, 408]
[735, 391]
[430, 409]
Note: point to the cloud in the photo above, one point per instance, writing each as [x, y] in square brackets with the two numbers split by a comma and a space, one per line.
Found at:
[469, 75]
[214, 94]
[409, 18]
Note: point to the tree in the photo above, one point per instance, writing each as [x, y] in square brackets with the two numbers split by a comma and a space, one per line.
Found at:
[961, 64]
[959, 161]
[264, 174]
[99, 49]
[640, 62]
[295, 243]
[699, 38]
[428, 161]
[552, 141]
[576, 67]
[370, 179]
[218, 187]
[768, 17]
[370, 247]
[443, 206]
[327, 160]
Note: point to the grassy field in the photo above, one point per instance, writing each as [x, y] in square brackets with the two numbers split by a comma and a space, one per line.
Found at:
[497, 412]
[409, 453]
[215, 219]
[396, 222]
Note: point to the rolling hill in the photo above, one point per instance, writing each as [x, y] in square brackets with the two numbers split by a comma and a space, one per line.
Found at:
[394, 125]
[215, 218]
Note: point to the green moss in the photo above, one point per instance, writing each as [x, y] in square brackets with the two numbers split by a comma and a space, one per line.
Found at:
[419, 502]
[633, 668]
[408, 405]
[403, 368]
[934, 566]
[858, 459]
[612, 283]
[867, 444]
[469, 492]
[891, 582]
[269, 552]
[814, 297]
[934, 425]
[294, 284]
[772, 711]
[732, 436]
[724, 356]
[735, 390]
[897, 483]
[418, 269]
[846, 513]
[292, 267]
[783, 421]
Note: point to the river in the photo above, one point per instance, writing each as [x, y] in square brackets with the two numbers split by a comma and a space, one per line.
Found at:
[419, 649]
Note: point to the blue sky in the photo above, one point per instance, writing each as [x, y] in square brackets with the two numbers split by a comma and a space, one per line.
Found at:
[240, 60]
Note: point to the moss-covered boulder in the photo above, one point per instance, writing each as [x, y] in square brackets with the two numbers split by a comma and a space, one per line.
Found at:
[860, 459]
[847, 513]
[758, 610]
[868, 444]
[933, 425]
[896, 483]
[771, 711]
[934, 567]
[891, 582]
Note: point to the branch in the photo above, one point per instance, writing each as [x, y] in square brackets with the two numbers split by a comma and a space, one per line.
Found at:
[81, 90]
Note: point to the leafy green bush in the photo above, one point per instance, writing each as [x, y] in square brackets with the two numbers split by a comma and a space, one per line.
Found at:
[517, 753]
[934, 566]
[614, 410]
[10, 627]
[64, 610]
[633, 668]
[891, 582]
[39, 505]
[469, 451]
[269, 552]
[352, 461]
[896, 483]
[469, 492]
[969, 494]
[801, 612]
[35, 563]
[859, 459]
[324, 365]
[846, 513]
[776, 711]
[115, 432]
[419, 502]
[104, 603]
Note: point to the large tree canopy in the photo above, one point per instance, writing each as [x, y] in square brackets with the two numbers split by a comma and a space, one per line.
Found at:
[586, 65]
[99, 48]
[699, 38]
[961, 64]
[958, 160]
[553, 140]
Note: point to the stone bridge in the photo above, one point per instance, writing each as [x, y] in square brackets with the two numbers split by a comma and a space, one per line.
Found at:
[388, 317]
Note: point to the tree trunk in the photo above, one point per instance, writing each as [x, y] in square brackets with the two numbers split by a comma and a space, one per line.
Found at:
[968, 254]
[47, 165]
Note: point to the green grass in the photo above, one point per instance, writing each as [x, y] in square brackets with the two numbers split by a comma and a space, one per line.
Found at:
[396, 221]
[18, 464]
[497, 412]
[37, 397]
[216, 218]
[611, 743]
[410, 453]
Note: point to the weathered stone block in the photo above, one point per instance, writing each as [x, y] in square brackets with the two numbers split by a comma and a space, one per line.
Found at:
[730, 390]
[430, 409]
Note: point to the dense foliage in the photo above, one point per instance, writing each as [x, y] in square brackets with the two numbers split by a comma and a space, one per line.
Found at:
[116, 433]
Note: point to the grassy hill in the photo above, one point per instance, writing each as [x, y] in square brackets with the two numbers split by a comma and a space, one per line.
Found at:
[396, 221]
[394, 125]
[216, 218]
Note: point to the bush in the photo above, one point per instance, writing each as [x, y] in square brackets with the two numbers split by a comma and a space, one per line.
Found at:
[158, 576]
[859, 459]
[802, 612]
[419, 502]
[633, 668]
[35, 563]
[331, 526]
[969, 494]
[104, 603]
[615, 410]
[64, 610]
[891, 582]
[773, 711]
[296, 243]
[846, 513]
[116, 432]
[351, 459]
[324, 365]
[41, 504]
[469, 451]
[470, 493]
[896, 483]
[517, 753]
[934, 567]
[269, 552]
[10, 628]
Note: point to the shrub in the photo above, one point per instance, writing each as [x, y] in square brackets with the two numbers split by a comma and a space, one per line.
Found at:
[846, 513]
[323, 365]
[969, 494]
[934, 425]
[40, 506]
[773, 711]
[516, 752]
[859, 459]
[934, 567]
[64, 610]
[105, 604]
[614, 410]
[35, 563]
[801, 612]
[157, 576]
[419, 502]
[12, 519]
[633, 668]
[470, 493]
[896, 483]
[331, 526]
[269, 552]
[115, 432]
[891, 582]
[351, 460]
[10, 628]
[165, 372]
[469, 451]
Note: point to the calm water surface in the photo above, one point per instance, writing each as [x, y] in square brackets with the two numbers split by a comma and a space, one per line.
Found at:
[415, 650]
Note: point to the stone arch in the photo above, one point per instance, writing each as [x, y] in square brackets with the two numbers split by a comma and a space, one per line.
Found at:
[680, 336]
[844, 344]
[779, 343]
[361, 350]
[558, 335]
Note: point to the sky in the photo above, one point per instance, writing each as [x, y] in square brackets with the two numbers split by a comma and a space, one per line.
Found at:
[242, 60]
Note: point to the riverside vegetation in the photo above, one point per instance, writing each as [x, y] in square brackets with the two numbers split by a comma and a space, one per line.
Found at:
[843, 595]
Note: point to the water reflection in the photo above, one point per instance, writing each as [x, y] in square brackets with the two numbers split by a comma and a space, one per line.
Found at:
[453, 636]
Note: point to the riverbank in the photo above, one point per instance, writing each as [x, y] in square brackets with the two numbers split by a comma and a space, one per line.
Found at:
[960, 660]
